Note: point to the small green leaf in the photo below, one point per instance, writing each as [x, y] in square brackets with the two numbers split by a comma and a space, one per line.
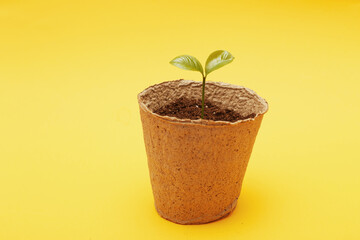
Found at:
[187, 62]
[217, 59]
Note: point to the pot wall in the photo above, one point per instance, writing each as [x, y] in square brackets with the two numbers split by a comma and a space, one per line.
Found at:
[196, 171]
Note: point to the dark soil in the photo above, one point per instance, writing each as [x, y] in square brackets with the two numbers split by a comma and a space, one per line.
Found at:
[184, 108]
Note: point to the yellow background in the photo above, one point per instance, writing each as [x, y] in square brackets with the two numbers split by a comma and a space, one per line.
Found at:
[72, 158]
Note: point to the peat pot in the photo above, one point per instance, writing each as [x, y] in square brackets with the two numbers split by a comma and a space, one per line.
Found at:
[197, 166]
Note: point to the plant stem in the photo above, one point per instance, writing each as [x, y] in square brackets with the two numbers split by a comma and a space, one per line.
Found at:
[203, 98]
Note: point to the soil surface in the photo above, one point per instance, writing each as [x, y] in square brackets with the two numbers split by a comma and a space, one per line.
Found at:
[184, 108]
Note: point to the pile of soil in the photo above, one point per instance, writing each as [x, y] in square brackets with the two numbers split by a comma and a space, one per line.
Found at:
[184, 108]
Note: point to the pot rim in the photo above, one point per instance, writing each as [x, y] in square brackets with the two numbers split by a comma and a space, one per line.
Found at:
[202, 122]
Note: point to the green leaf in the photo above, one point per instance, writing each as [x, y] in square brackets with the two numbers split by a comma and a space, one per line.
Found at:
[217, 59]
[187, 62]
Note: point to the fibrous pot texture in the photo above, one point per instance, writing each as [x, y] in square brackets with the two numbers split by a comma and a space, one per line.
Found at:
[197, 166]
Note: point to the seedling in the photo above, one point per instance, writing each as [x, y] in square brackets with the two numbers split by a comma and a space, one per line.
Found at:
[215, 61]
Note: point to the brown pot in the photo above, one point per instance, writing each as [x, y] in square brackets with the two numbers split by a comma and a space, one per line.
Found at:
[197, 166]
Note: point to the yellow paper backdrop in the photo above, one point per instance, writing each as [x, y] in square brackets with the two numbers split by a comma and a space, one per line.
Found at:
[72, 158]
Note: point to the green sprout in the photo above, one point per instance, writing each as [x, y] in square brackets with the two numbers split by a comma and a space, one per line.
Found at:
[215, 61]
